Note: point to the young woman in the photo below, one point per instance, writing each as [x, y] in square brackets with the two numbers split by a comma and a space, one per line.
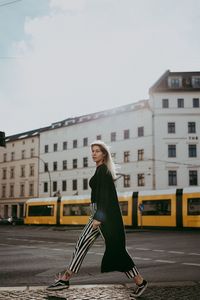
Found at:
[106, 220]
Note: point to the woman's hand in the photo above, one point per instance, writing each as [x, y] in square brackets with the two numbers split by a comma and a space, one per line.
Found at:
[96, 224]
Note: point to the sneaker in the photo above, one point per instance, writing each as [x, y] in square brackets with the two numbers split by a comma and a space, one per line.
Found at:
[58, 285]
[139, 290]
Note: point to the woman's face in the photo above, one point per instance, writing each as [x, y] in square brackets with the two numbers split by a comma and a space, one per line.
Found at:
[97, 155]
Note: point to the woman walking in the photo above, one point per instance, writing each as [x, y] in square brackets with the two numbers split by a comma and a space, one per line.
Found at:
[106, 220]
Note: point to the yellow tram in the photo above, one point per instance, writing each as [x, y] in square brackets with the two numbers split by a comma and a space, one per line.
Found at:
[175, 208]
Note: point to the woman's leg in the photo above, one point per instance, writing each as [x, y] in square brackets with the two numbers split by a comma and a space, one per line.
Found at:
[138, 280]
[84, 242]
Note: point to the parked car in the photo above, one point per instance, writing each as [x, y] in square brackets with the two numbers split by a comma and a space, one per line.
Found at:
[12, 221]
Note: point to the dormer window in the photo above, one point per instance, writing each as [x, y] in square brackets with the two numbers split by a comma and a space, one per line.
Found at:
[196, 82]
[174, 82]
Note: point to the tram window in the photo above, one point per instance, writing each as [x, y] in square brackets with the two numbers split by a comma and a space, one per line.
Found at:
[77, 209]
[124, 208]
[156, 207]
[40, 210]
[193, 208]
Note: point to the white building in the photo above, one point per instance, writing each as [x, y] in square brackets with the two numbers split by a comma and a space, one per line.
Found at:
[66, 157]
[174, 99]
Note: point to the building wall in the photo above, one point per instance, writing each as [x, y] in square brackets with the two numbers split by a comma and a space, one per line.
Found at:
[181, 139]
[104, 126]
[16, 196]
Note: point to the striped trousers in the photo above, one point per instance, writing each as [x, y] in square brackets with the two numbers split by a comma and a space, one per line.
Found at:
[84, 243]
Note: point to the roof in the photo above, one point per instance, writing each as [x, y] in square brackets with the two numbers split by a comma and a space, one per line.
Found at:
[161, 85]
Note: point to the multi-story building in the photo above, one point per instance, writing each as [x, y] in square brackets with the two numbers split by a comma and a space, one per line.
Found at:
[18, 172]
[175, 104]
[65, 150]
[154, 142]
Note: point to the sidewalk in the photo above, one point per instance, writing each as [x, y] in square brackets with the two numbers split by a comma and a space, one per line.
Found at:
[158, 291]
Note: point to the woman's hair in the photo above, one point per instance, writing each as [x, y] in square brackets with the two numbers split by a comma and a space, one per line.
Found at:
[108, 159]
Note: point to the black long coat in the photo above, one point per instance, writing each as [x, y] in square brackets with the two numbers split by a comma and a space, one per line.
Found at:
[108, 213]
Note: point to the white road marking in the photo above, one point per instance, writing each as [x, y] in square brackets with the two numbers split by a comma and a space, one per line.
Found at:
[145, 249]
[165, 261]
[193, 253]
[142, 258]
[176, 252]
[191, 264]
[158, 250]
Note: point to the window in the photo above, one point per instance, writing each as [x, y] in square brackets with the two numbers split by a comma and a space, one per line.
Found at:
[22, 171]
[85, 162]
[55, 165]
[41, 210]
[46, 148]
[12, 190]
[4, 157]
[4, 174]
[77, 209]
[193, 206]
[46, 167]
[196, 82]
[54, 186]
[141, 179]
[32, 152]
[12, 172]
[74, 184]
[192, 150]
[3, 191]
[141, 154]
[195, 102]
[75, 143]
[113, 155]
[171, 127]
[64, 165]
[172, 178]
[126, 134]
[31, 189]
[23, 154]
[156, 207]
[127, 181]
[99, 137]
[31, 170]
[64, 185]
[113, 136]
[22, 188]
[171, 150]
[12, 155]
[140, 131]
[193, 180]
[75, 162]
[180, 103]
[64, 145]
[45, 187]
[85, 142]
[126, 156]
[165, 103]
[55, 147]
[175, 83]
[191, 127]
[85, 184]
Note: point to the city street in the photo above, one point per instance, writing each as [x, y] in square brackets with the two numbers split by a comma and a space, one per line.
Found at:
[31, 255]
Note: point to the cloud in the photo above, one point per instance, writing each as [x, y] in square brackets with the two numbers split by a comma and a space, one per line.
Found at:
[85, 56]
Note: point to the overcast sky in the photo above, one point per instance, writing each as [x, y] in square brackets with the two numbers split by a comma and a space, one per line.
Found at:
[65, 58]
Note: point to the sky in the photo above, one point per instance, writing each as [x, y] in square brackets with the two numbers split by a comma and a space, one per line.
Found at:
[66, 58]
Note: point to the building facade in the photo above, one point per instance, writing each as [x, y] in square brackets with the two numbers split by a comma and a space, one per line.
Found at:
[66, 154]
[18, 172]
[175, 103]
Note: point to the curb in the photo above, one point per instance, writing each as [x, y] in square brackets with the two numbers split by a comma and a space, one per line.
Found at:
[127, 285]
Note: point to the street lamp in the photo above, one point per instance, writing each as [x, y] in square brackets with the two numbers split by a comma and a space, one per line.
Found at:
[47, 169]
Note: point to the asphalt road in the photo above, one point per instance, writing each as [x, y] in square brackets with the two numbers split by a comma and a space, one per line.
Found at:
[31, 255]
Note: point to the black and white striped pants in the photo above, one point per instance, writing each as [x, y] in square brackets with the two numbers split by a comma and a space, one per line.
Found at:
[85, 241]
